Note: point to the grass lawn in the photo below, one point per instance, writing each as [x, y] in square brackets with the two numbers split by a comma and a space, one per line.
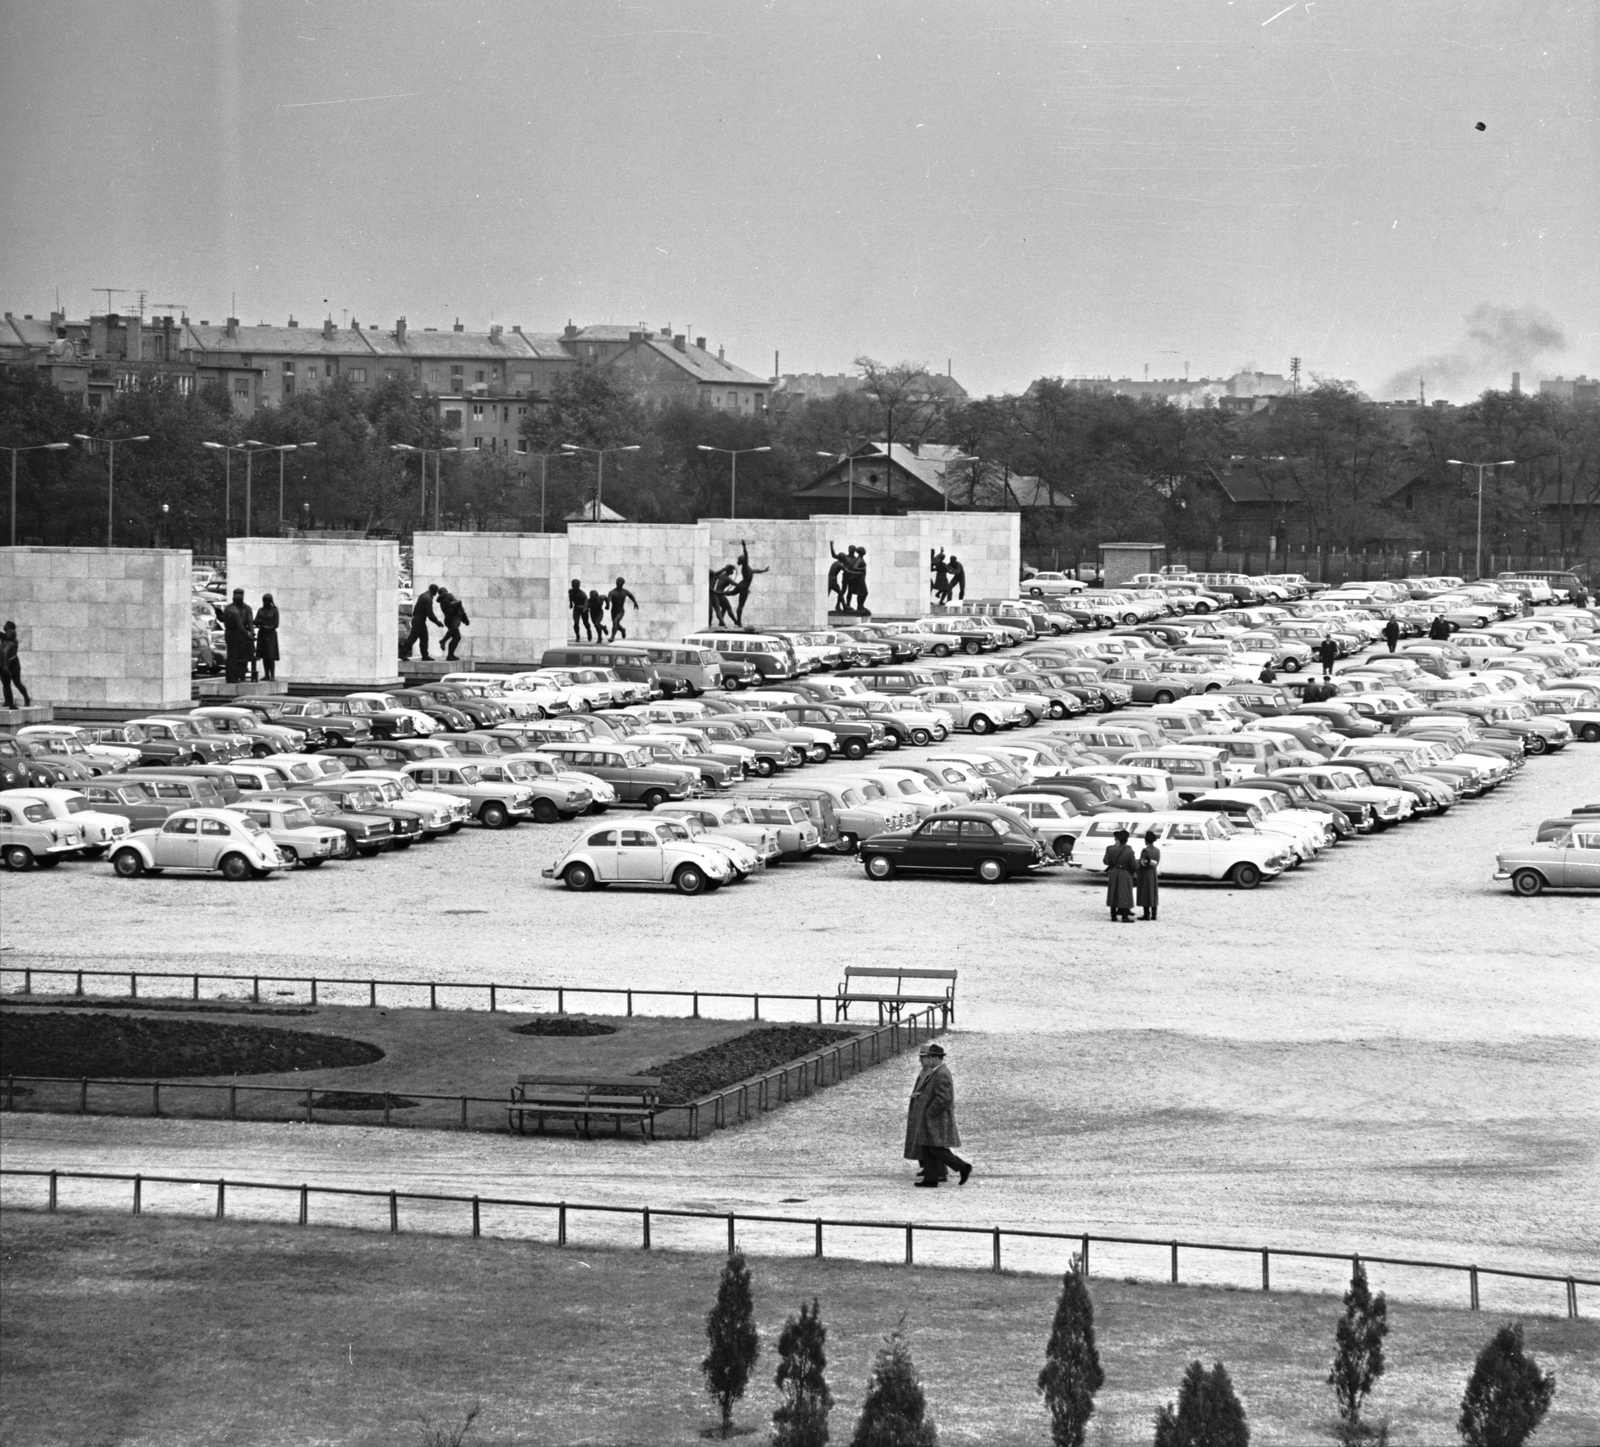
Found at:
[158, 1331]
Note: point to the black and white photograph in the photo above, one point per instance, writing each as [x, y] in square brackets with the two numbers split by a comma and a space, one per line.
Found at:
[635, 633]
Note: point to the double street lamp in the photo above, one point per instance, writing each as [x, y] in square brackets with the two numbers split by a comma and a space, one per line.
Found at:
[1482, 467]
[733, 454]
[438, 484]
[600, 475]
[36, 447]
[544, 474]
[111, 470]
[281, 448]
[948, 461]
[249, 448]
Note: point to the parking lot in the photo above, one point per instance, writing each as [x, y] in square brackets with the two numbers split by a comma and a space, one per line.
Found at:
[1383, 1049]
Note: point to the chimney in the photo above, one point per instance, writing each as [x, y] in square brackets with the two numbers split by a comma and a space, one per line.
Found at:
[635, 336]
[776, 372]
[680, 343]
[666, 332]
[400, 330]
[328, 328]
[495, 333]
[355, 326]
[570, 331]
[1516, 383]
[719, 354]
[458, 327]
[517, 330]
[700, 344]
[135, 351]
[293, 322]
[56, 318]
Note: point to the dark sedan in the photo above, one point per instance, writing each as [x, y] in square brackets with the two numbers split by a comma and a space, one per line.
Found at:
[1148, 684]
[361, 796]
[366, 833]
[446, 715]
[856, 737]
[483, 712]
[386, 723]
[131, 801]
[314, 714]
[992, 844]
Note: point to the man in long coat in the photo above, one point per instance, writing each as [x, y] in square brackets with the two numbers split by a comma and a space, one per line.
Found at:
[931, 1121]
[239, 629]
[1327, 656]
[1439, 630]
[1391, 633]
[1149, 882]
[1121, 864]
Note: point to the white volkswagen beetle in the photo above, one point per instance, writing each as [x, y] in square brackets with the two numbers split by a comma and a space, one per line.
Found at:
[647, 851]
[205, 839]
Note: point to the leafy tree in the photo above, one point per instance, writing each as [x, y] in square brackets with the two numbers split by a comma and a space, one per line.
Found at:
[1358, 1348]
[802, 1419]
[894, 1413]
[1072, 1373]
[731, 1331]
[1207, 1413]
[1507, 1395]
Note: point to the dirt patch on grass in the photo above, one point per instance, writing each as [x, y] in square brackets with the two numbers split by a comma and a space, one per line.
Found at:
[361, 1100]
[564, 1025]
[171, 1007]
[688, 1077]
[58, 1043]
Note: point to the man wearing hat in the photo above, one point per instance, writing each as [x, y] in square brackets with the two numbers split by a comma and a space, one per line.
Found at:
[1121, 864]
[931, 1121]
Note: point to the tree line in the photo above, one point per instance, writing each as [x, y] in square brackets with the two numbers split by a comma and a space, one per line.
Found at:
[1106, 466]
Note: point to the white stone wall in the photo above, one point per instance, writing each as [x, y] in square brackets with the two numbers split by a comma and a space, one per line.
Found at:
[100, 625]
[339, 601]
[667, 567]
[513, 586]
[793, 592]
[989, 545]
[897, 560]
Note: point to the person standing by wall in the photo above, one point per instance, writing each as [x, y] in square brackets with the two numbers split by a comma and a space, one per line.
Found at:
[11, 666]
[931, 1121]
[1149, 878]
[422, 614]
[619, 598]
[455, 619]
[238, 628]
[267, 637]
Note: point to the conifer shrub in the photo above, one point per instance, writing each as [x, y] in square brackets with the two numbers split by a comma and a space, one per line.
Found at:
[802, 1418]
[1207, 1413]
[1358, 1351]
[1507, 1395]
[1072, 1373]
[734, 1342]
[895, 1411]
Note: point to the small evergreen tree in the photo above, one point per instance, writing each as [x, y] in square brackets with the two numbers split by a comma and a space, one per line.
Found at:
[1207, 1414]
[1072, 1373]
[1358, 1349]
[894, 1413]
[1507, 1395]
[802, 1420]
[731, 1330]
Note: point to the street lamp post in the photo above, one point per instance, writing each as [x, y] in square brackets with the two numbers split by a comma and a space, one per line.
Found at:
[36, 447]
[111, 471]
[849, 458]
[438, 486]
[959, 457]
[280, 449]
[600, 467]
[1481, 467]
[227, 449]
[544, 467]
[734, 454]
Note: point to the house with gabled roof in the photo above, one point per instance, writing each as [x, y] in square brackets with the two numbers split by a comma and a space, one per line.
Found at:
[664, 367]
[928, 477]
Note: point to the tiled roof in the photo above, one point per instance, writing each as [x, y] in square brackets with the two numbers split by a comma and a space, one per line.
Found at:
[932, 465]
[702, 365]
[27, 331]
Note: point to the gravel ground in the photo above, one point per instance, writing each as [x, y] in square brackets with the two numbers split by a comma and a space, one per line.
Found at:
[1384, 1051]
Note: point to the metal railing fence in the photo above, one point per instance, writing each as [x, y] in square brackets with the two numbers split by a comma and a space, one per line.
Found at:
[815, 1226]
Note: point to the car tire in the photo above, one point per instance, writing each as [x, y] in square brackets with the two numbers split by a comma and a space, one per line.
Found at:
[819, 753]
[127, 863]
[689, 880]
[1036, 592]
[401, 842]
[47, 861]
[1202, 607]
[880, 866]
[494, 815]
[1527, 883]
[291, 855]
[848, 843]
[235, 868]
[597, 808]
[312, 863]
[653, 798]
[1536, 744]
[981, 724]
[1244, 875]
[1291, 665]
[545, 811]
[1063, 847]
[941, 650]
[921, 738]
[1164, 696]
[855, 748]
[1058, 709]
[1106, 706]
[992, 871]
[578, 877]
[972, 646]
[1590, 733]
[766, 768]
[1129, 620]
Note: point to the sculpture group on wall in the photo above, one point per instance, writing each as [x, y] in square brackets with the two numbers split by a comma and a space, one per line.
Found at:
[949, 577]
[847, 579]
[730, 588]
[589, 610]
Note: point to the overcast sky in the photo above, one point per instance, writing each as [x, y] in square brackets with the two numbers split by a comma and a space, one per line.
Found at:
[1021, 189]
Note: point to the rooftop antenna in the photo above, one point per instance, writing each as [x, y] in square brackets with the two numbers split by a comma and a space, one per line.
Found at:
[110, 291]
[1294, 375]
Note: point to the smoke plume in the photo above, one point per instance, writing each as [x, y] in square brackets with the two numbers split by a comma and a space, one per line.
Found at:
[1500, 340]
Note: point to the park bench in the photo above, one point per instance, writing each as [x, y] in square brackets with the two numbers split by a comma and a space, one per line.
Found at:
[856, 988]
[582, 1098]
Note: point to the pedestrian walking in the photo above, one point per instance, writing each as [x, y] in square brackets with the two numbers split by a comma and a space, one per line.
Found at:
[597, 614]
[1268, 673]
[619, 598]
[1121, 866]
[578, 601]
[1439, 630]
[238, 630]
[455, 619]
[931, 1130]
[267, 637]
[422, 614]
[1391, 633]
[1327, 656]
[11, 667]
[1149, 881]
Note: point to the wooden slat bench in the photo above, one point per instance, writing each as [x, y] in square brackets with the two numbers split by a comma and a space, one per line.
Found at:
[855, 989]
[582, 1098]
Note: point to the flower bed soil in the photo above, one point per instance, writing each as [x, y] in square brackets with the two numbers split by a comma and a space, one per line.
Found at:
[688, 1077]
[60, 1044]
[563, 1025]
[361, 1100]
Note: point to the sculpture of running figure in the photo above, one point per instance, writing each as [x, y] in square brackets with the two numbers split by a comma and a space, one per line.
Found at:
[958, 576]
[747, 575]
[847, 579]
[941, 576]
[722, 587]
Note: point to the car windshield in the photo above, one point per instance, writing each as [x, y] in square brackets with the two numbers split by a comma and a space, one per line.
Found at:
[320, 804]
[75, 805]
[470, 774]
[850, 798]
[674, 833]
[297, 819]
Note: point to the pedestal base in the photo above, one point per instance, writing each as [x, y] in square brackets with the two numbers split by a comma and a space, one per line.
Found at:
[36, 713]
[216, 690]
